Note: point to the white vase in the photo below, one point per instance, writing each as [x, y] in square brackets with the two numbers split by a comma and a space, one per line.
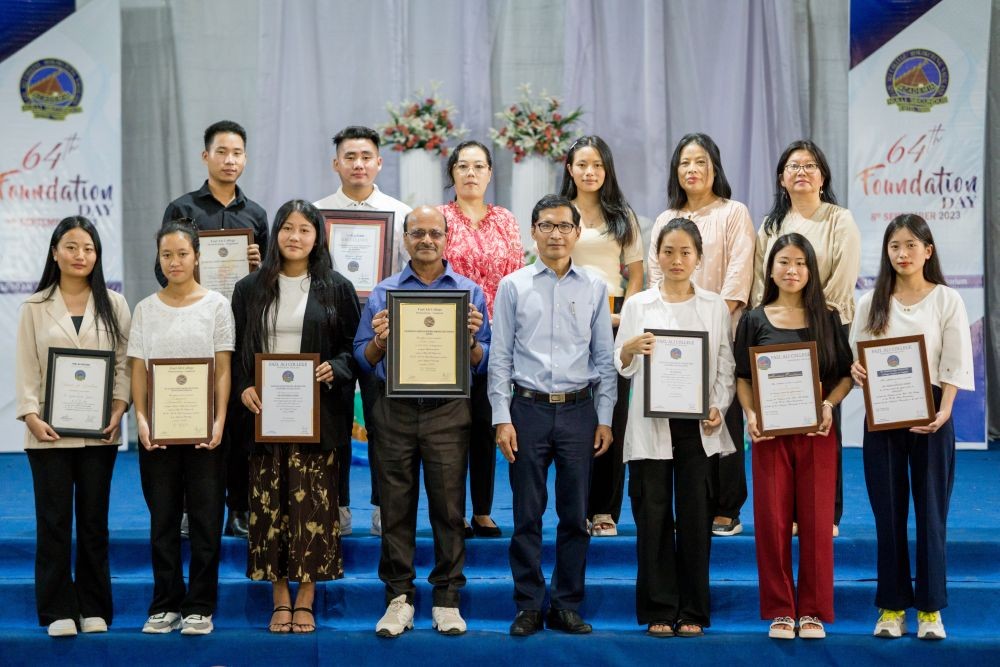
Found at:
[531, 179]
[420, 178]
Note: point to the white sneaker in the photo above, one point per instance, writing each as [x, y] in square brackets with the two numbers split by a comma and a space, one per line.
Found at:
[345, 521]
[447, 621]
[64, 627]
[376, 528]
[162, 623]
[93, 624]
[929, 625]
[397, 619]
[196, 624]
[891, 624]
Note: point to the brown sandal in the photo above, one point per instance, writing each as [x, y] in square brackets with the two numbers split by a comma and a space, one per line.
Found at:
[280, 628]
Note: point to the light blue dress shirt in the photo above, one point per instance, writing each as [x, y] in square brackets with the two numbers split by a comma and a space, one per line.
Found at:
[551, 335]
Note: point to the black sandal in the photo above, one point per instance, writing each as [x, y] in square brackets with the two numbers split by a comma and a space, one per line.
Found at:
[668, 632]
[303, 628]
[280, 628]
[697, 632]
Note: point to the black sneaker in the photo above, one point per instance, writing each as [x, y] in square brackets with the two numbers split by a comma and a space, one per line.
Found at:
[734, 527]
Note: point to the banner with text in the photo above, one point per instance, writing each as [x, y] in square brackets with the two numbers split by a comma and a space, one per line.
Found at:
[917, 99]
[60, 155]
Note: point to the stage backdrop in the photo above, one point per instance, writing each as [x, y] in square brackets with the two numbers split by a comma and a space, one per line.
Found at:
[916, 140]
[60, 153]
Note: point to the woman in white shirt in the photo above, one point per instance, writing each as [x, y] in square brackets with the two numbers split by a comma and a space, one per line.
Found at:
[296, 303]
[671, 460]
[910, 298]
[609, 242]
[72, 308]
[182, 320]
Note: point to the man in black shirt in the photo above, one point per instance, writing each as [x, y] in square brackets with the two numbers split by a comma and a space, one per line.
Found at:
[221, 204]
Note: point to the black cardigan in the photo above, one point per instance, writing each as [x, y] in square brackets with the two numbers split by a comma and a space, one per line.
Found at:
[332, 338]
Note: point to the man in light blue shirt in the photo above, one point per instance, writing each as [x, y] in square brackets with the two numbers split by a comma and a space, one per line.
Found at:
[552, 386]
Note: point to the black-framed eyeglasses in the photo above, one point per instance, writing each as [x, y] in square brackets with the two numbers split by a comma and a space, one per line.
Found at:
[548, 227]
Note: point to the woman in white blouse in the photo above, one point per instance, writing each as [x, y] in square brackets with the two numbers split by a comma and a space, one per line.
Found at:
[910, 298]
[671, 460]
[72, 308]
[182, 320]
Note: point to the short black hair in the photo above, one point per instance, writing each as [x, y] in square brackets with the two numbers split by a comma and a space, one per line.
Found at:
[554, 201]
[356, 132]
[222, 127]
[185, 226]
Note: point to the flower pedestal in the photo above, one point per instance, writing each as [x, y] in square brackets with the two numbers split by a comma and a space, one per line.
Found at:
[420, 178]
[531, 179]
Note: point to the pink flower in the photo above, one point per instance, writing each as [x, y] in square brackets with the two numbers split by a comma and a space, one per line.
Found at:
[556, 117]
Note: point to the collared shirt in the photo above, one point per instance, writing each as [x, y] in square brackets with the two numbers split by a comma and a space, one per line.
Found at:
[376, 201]
[407, 279]
[552, 335]
[209, 213]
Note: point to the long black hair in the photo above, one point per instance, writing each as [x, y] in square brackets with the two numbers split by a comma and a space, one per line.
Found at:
[262, 311]
[51, 275]
[618, 215]
[813, 300]
[782, 202]
[885, 283]
[453, 159]
[676, 196]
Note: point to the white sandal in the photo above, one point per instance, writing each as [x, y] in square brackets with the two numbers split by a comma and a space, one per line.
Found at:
[817, 632]
[603, 520]
[778, 629]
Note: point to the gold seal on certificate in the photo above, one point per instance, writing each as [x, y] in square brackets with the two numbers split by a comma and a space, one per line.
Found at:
[361, 246]
[78, 388]
[898, 388]
[786, 388]
[222, 260]
[675, 375]
[181, 400]
[289, 397]
[428, 344]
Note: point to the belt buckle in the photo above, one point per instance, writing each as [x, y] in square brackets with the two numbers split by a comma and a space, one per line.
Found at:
[557, 398]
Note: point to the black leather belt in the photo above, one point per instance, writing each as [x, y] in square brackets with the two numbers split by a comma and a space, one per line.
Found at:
[564, 397]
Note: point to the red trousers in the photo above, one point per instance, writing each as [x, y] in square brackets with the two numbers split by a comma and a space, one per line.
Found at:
[794, 479]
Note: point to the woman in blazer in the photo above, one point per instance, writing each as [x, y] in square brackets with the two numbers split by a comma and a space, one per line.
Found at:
[72, 309]
[296, 303]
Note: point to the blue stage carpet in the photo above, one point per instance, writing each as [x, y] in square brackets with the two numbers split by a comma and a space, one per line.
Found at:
[347, 610]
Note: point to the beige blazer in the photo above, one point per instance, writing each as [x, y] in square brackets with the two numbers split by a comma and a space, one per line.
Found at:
[47, 323]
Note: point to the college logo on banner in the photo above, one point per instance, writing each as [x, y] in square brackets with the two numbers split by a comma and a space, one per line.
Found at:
[917, 80]
[51, 88]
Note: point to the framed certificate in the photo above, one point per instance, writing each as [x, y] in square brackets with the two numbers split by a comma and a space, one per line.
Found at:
[78, 387]
[428, 355]
[181, 396]
[898, 388]
[361, 246]
[289, 396]
[786, 388]
[223, 260]
[675, 375]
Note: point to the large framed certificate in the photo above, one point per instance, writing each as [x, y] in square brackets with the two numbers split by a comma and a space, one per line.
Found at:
[289, 397]
[898, 388]
[361, 246]
[78, 387]
[181, 400]
[786, 388]
[675, 375]
[428, 355]
[223, 260]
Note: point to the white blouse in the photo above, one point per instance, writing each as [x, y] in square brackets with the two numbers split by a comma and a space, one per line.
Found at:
[941, 318]
[649, 438]
[292, 297]
[197, 330]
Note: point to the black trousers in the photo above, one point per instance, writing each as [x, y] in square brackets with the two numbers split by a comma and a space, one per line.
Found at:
[672, 580]
[730, 471]
[371, 389]
[63, 478]
[482, 449]
[173, 478]
[607, 484]
[237, 440]
[434, 433]
[547, 433]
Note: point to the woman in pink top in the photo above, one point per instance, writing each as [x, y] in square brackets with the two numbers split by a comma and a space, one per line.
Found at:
[698, 190]
[484, 244]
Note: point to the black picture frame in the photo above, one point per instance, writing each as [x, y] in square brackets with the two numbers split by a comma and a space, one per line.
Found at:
[400, 344]
[647, 377]
[56, 354]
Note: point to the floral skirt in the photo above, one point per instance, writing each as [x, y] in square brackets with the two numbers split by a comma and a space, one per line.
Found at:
[294, 515]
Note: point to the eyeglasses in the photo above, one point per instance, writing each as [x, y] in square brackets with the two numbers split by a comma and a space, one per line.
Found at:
[479, 167]
[417, 234]
[809, 167]
[548, 227]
